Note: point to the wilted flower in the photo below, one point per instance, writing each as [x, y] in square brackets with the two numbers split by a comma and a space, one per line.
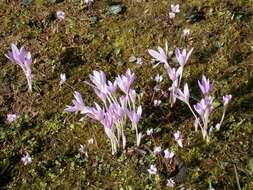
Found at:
[11, 117]
[186, 32]
[91, 141]
[26, 159]
[179, 138]
[150, 132]
[168, 154]
[182, 56]
[172, 15]
[63, 78]
[60, 15]
[24, 59]
[157, 102]
[171, 183]
[78, 104]
[83, 150]
[205, 85]
[157, 150]
[152, 170]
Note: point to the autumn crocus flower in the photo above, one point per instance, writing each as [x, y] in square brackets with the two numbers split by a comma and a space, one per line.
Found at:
[152, 170]
[186, 33]
[63, 78]
[175, 8]
[150, 132]
[170, 183]
[168, 154]
[78, 104]
[226, 99]
[205, 85]
[183, 56]
[11, 117]
[160, 55]
[185, 95]
[124, 81]
[60, 15]
[26, 159]
[179, 138]
[24, 59]
[157, 102]
[157, 150]
[158, 78]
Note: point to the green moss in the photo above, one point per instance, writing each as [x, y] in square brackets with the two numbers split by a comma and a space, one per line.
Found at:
[221, 34]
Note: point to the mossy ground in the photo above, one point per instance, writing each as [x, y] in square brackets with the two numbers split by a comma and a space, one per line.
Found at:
[89, 39]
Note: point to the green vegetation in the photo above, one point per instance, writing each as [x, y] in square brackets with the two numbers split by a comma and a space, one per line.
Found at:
[92, 38]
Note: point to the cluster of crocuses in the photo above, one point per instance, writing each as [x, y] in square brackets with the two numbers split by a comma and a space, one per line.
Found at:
[116, 108]
[204, 107]
[175, 74]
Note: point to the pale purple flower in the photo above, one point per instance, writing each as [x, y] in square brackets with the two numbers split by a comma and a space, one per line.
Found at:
[124, 81]
[152, 170]
[204, 107]
[182, 56]
[112, 87]
[175, 8]
[172, 73]
[99, 81]
[97, 113]
[172, 15]
[157, 102]
[11, 117]
[88, 2]
[160, 55]
[171, 183]
[26, 159]
[183, 96]
[179, 138]
[60, 15]
[156, 88]
[139, 61]
[83, 150]
[63, 78]
[168, 154]
[205, 85]
[157, 150]
[101, 95]
[226, 99]
[107, 121]
[186, 32]
[116, 111]
[135, 116]
[78, 104]
[158, 78]
[150, 131]
[24, 59]
[132, 95]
